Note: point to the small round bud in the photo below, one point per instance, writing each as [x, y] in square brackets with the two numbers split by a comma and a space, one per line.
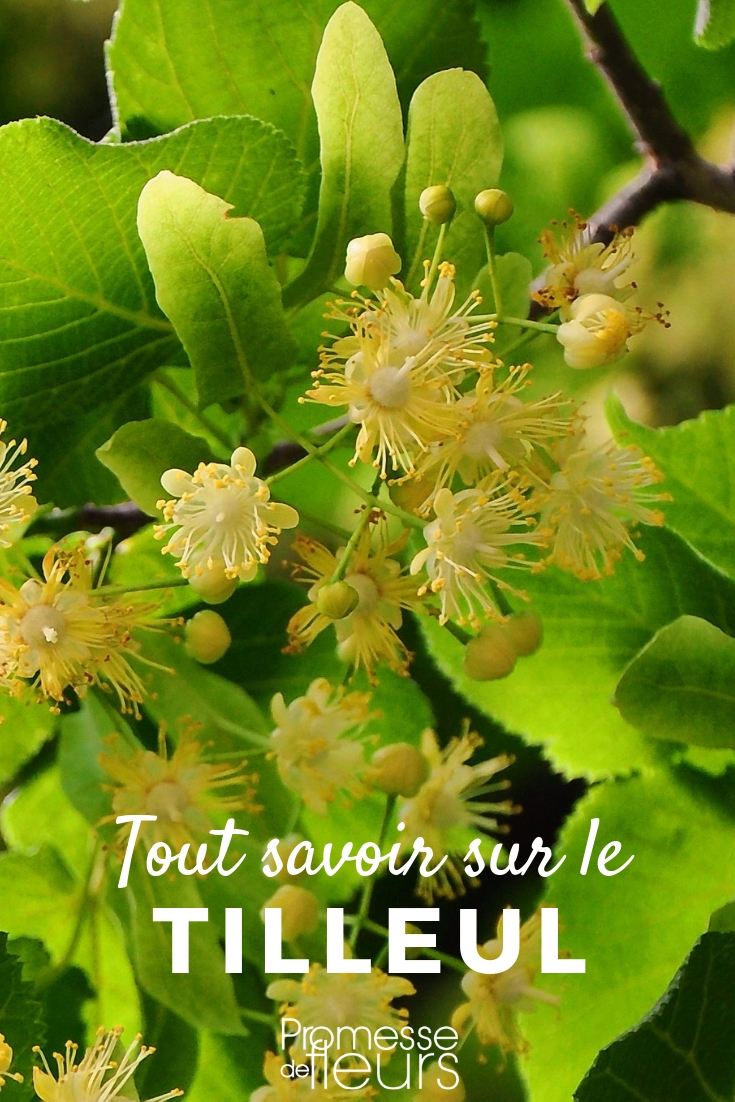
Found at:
[299, 911]
[398, 770]
[206, 637]
[437, 204]
[337, 600]
[525, 633]
[211, 583]
[490, 655]
[493, 206]
[371, 261]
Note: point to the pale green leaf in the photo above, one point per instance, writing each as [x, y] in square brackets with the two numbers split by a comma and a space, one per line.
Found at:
[140, 451]
[25, 728]
[593, 5]
[715, 23]
[682, 685]
[698, 460]
[631, 929]
[214, 283]
[561, 696]
[80, 324]
[361, 144]
[454, 139]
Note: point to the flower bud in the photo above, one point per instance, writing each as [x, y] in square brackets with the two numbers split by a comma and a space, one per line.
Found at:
[398, 770]
[598, 332]
[299, 911]
[206, 637]
[437, 204]
[493, 206]
[490, 655]
[337, 600]
[211, 583]
[525, 633]
[371, 261]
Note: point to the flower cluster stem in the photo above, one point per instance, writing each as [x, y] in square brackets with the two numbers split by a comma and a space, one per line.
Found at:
[361, 918]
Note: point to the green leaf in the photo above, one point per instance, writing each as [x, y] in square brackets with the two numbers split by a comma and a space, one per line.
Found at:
[41, 891]
[454, 139]
[593, 5]
[140, 451]
[82, 741]
[361, 143]
[202, 997]
[631, 929]
[20, 1020]
[69, 471]
[682, 685]
[561, 696]
[715, 23]
[684, 1050]
[169, 66]
[80, 324]
[213, 281]
[698, 459]
[514, 274]
[25, 728]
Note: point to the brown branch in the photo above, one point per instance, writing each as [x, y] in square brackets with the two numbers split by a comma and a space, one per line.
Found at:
[673, 169]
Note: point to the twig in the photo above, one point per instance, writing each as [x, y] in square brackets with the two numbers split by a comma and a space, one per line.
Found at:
[673, 169]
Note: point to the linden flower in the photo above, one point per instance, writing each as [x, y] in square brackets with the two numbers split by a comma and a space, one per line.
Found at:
[494, 1000]
[15, 485]
[591, 500]
[336, 999]
[598, 331]
[279, 1088]
[61, 634]
[583, 267]
[472, 538]
[6, 1059]
[450, 802]
[397, 372]
[282, 1089]
[313, 756]
[98, 1077]
[367, 636]
[183, 791]
[222, 514]
[499, 431]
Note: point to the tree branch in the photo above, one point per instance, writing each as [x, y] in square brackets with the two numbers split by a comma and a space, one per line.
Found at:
[673, 169]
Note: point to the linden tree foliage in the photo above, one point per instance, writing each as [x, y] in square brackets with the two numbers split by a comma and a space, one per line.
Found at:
[677, 1051]
[646, 933]
[681, 685]
[698, 457]
[309, 472]
[560, 696]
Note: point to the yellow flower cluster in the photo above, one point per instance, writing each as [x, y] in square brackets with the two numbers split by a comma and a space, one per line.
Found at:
[500, 481]
[59, 633]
